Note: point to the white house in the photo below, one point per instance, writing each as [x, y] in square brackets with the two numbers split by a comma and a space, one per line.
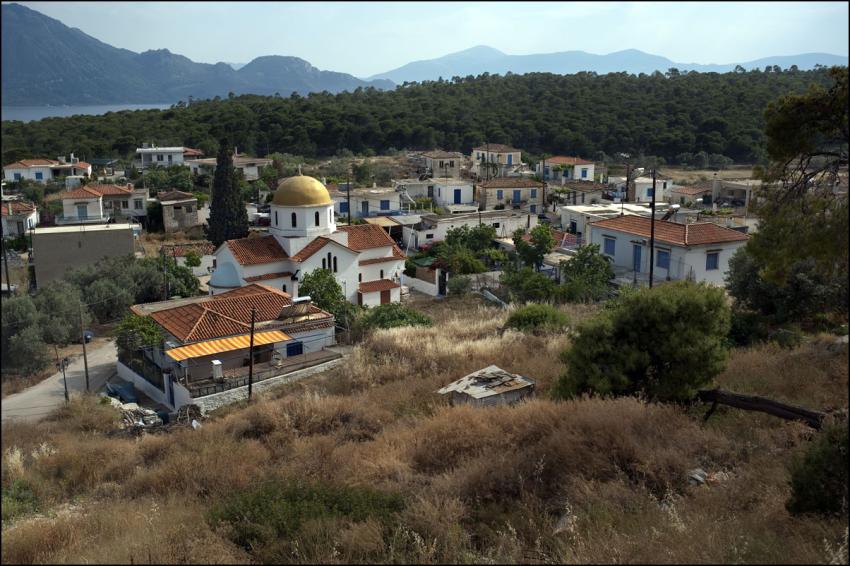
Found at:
[504, 158]
[250, 166]
[432, 228]
[99, 203]
[560, 169]
[444, 191]
[575, 218]
[18, 217]
[44, 170]
[699, 251]
[367, 202]
[152, 156]
[303, 236]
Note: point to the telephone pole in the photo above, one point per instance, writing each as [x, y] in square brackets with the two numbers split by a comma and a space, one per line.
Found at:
[85, 357]
[61, 365]
[652, 231]
[251, 354]
[348, 192]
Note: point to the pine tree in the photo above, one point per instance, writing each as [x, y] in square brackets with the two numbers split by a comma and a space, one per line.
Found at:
[228, 216]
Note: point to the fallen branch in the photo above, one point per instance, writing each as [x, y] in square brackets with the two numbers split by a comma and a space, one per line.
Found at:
[754, 403]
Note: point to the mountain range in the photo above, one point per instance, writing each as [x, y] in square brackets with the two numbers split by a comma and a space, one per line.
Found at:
[45, 62]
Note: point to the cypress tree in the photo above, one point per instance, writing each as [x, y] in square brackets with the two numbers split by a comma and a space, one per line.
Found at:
[228, 216]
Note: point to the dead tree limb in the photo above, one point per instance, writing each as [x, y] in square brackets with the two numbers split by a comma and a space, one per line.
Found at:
[754, 403]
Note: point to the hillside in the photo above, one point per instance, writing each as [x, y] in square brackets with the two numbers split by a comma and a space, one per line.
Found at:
[413, 480]
[484, 59]
[46, 62]
[574, 114]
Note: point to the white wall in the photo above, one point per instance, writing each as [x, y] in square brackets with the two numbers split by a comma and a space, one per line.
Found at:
[94, 207]
[505, 225]
[445, 194]
[10, 224]
[430, 289]
[280, 218]
[28, 173]
[374, 203]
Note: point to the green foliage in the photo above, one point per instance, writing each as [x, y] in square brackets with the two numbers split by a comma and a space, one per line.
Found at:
[326, 293]
[586, 275]
[136, 332]
[819, 475]
[665, 342]
[393, 315]
[531, 253]
[58, 305]
[27, 352]
[154, 217]
[528, 286]
[747, 328]
[694, 112]
[459, 285]
[228, 216]
[192, 259]
[477, 238]
[18, 499]
[409, 268]
[538, 319]
[16, 314]
[19, 243]
[458, 260]
[175, 177]
[108, 300]
[203, 198]
[276, 510]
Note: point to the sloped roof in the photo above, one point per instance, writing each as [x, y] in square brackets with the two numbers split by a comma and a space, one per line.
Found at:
[15, 207]
[566, 160]
[315, 246]
[254, 251]
[696, 190]
[367, 236]
[496, 148]
[377, 285]
[486, 382]
[174, 196]
[440, 154]
[25, 163]
[81, 192]
[672, 232]
[96, 190]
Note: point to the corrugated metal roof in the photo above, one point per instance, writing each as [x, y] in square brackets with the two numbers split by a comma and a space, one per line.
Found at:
[383, 221]
[226, 345]
[491, 380]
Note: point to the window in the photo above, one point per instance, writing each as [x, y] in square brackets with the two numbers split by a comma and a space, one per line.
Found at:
[159, 157]
[385, 205]
[294, 220]
[496, 224]
[582, 198]
[533, 208]
[451, 164]
[137, 205]
[343, 208]
[533, 193]
[499, 194]
[324, 264]
[189, 208]
[441, 164]
[663, 259]
[382, 274]
[125, 204]
[360, 278]
[650, 192]
[317, 217]
[712, 260]
[584, 173]
[517, 196]
[330, 215]
[275, 218]
[39, 176]
[609, 246]
[429, 236]
[334, 264]
[284, 287]
[329, 260]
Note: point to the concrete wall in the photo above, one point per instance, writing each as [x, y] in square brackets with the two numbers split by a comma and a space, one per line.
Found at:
[180, 216]
[489, 198]
[420, 285]
[10, 224]
[78, 246]
[94, 207]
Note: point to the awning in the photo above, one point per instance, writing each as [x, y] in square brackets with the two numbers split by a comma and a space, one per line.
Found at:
[382, 221]
[226, 345]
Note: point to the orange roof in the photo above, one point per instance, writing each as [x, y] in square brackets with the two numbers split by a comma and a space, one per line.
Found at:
[564, 160]
[24, 163]
[15, 207]
[377, 285]
[393, 257]
[267, 276]
[174, 195]
[254, 251]
[191, 152]
[94, 191]
[367, 236]
[691, 190]
[226, 314]
[672, 232]
[509, 183]
[210, 347]
[315, 246]
[81, 192]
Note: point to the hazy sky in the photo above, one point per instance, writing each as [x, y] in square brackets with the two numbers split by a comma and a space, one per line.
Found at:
[366, 38]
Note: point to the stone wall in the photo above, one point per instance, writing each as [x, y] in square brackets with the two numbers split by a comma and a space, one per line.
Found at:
[216, 400]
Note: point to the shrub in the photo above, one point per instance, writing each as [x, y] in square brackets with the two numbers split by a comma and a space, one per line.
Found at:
[278, 509]
[537, 319]
[747, 328]
[819, 476]
[192, 259]
[666, 342]
[789, 336]
[586, 275]
[18, 499]
[393, 315]
[528, 286]
[27, 352]
[459, 285]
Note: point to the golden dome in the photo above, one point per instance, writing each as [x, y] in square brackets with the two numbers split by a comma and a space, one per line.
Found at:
[301, 190]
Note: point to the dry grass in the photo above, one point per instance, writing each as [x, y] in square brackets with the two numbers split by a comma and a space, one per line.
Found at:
[588, 480]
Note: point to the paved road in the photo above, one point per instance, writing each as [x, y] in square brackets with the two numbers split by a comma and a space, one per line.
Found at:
[39, 400]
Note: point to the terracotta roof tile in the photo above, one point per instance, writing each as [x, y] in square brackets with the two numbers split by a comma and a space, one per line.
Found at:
[565, 160]
[267, 276]
[81, 192]
[174, 195]
[377, 285]
[672, 232]
[509, 183]
[94, 191]
[254, 251]
[367, 236]
[311, 248]
[691, 190]
[15, 207]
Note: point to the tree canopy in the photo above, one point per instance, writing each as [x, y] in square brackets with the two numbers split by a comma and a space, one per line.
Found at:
[228, 216]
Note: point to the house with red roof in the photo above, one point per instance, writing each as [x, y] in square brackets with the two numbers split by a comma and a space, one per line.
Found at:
[95, 203]
[44, 170]
[303, 236]
[698, 251]
[18, 217]
[562, 168]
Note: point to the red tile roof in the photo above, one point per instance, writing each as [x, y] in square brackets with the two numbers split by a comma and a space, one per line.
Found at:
[191, 152]
[94, 191]
[672, 232]
[268, 276]
[691, 190]
[24, 163]
[394, 257]
[509, 183]
[174, 195]
[254, 251]
[312, 248]
[16, 207]
[496, 148]
[377, 285]
[565, 160]
[367, 236]
[81, 192]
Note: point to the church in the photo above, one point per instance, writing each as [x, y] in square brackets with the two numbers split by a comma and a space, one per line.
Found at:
[303, 236]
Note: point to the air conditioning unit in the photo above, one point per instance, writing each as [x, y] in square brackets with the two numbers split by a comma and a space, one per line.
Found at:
[217, 373]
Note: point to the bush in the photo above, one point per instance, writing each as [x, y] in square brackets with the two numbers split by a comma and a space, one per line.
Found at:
[528, 286]
[747, 328]
[665, 342]
[788, 337]
[586, 275]
[393, 315]
[819, 476]
[18, 499]
[538, 319]
[277, 510]
[27, 352]
[459, 285]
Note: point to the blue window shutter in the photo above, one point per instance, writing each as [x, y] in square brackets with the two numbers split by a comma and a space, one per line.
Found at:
[663, 259]
[584, 173]
[385, 205]
[711, 261]
[533, 193]
[517, 196]
[533, 208]
[609, 245]
[499, 194]
[343, 207]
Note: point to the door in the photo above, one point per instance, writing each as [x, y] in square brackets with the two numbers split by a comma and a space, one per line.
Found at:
[517, 197]
[510, 159]
[170, 384]
[82, 211]
[636, 257]
[294, 349]
[364, 208]
[457, 196]
[385, 297]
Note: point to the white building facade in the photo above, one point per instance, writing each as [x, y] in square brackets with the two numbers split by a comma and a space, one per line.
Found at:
[560, 169]
[44, 170]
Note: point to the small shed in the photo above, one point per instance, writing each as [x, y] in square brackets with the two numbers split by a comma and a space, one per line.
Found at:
[489, 386]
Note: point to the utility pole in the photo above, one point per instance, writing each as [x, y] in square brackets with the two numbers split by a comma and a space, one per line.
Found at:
[652, 231]
[625, 189]
[348, 192]
[61, 365]
[3, 243]
[251, 354]
[85, 357]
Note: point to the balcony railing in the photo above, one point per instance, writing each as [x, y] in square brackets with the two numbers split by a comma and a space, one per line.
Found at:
[62, 220]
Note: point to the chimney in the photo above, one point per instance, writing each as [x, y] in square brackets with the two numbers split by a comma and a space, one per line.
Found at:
[61, 159]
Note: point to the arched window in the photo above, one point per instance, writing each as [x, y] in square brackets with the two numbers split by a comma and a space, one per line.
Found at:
[329, 260]
[360, 278]
[317, 218]
[334, 264]
[330, 215]
[382, 274]
[284, 287]
[324, 265]
[294, 220]
[275, 218]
